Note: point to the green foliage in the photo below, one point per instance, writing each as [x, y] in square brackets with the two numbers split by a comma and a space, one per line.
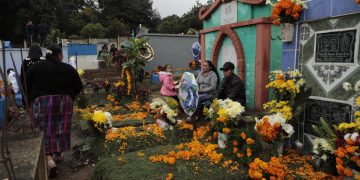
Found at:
[53, 34]
[118, 28]
[325, 131]
[93, 31]
[134, 13]
[170, 24]
[135, 62]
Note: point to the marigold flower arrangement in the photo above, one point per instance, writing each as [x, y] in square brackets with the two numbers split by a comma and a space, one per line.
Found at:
[223, 114]
[286, 11]
[192, 150]
[348, 143]
[121, 135]
[273, 128]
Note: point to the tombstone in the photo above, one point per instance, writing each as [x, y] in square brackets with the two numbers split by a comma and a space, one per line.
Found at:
[241, 32]
[333, 111]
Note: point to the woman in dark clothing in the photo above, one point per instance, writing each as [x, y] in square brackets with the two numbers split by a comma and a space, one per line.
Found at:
[52, 86]
[34, 56]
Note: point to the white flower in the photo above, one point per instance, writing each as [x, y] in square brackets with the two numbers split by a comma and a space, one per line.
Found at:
[48, 51]
[277, 118]
[357, 86]
[316, 152]
[347, 136]
[324, 157]
[108, 118]
[257, 121]
[354, 136]
[347, 86]
[269, 2]
[288, 129]
[300, 82]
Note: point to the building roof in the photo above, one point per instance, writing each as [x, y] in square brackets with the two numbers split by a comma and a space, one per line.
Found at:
[205, 12]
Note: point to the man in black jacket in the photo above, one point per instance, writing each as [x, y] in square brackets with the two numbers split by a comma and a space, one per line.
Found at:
[231, 86]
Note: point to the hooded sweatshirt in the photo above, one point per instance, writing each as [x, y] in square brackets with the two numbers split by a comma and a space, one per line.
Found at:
[168, 87]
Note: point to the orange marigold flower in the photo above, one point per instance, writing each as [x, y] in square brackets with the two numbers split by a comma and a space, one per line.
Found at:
[350, 149]
[172, 153]
[340, 169]
[288, 12]
[226, 130]
[248, 152]
[235, 150]
[348, 172]
[239, 155]
[295, 16]
[243, 135]
[276, 22]
[171, 160]
[250, 141]
[235, 143]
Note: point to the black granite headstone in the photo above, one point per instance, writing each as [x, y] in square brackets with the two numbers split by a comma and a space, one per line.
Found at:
[335, 47]
[333, 112]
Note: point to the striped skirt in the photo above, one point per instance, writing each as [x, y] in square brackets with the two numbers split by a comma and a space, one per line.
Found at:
[52, 114]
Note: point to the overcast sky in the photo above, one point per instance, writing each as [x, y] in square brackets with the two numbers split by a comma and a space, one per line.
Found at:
[170, 7]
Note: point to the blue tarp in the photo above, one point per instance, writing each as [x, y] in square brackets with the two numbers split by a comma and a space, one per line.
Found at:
[81, 49]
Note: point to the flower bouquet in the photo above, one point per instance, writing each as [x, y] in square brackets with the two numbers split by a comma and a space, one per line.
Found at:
[286, 11]
[289, 91]
[165, 111]
[223, 115]
[348, 148]
[274, 129]
[101, 120]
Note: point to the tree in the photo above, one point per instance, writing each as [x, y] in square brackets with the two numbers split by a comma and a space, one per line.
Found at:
[117, 28]
[171, 25]
[191, 18]
[134, 13]
[93, 31]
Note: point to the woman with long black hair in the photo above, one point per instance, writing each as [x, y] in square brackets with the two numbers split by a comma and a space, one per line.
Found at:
[52, 87]
[208, 81]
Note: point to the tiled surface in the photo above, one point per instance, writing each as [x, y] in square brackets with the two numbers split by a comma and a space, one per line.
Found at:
[317, 9]
[340, 7]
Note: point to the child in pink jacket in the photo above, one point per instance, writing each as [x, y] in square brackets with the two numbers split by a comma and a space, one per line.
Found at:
[168, 84]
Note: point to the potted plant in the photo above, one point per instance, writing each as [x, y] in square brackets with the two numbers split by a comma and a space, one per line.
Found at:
[286, 12]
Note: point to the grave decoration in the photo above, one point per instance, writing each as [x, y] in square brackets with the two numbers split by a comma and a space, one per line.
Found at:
[188, 93]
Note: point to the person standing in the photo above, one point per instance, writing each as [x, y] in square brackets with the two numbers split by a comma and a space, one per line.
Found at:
[34, 56]
[43, 31]
[52, 87]
[29, 28]
[231, 86]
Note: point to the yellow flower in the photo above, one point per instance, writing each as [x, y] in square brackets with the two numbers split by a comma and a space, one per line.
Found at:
[169, 176]
[358, 101]
[80, 72]
[99, 117]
